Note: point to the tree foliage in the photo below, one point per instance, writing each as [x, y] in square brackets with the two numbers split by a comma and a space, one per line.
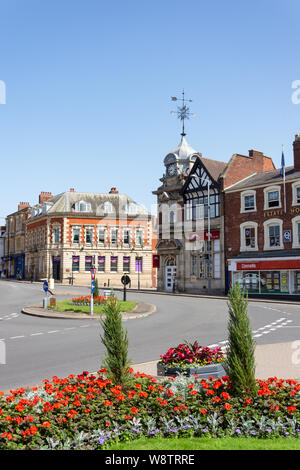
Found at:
[240, 363]
[115, 340]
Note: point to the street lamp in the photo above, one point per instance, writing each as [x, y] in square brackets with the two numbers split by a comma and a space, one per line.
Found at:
[138, 260]
[207, 181]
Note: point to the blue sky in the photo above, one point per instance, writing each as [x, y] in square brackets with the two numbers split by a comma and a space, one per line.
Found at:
[88, 87]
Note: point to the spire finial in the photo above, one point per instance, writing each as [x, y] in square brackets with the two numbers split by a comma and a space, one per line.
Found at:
[183, 112]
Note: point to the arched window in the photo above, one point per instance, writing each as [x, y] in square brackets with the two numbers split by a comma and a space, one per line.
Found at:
[273, 236]
[248, 236]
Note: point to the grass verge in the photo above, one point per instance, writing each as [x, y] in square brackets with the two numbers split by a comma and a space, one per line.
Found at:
[65, 306]
[220, 443]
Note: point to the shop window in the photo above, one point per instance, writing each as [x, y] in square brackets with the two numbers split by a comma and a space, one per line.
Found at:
[217, 266]
[138, 264]
[193, 265]
[202, 268]
[297, 282]
[126, 264]
[75, 263]
[88, 263]
[101, 264]
[114, 264]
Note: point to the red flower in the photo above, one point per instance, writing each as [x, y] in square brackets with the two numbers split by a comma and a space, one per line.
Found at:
[134, 410]
[227, 406]
[108, 403]
[45, 424]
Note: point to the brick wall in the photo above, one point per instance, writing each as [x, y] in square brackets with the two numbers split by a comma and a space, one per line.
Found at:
[234, 218]
[241, 166]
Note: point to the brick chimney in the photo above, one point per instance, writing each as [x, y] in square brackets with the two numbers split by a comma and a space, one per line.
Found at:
[296, 145]
[113, 191]
[44, 196]
[22, 205]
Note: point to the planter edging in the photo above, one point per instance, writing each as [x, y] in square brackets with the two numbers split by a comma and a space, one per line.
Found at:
[212, 370]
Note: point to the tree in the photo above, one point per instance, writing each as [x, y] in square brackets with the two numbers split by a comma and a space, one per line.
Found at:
[240, 362]
[96, 290]
[115, 340]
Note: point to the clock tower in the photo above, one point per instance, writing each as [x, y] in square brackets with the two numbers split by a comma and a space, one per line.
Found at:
[170, 246]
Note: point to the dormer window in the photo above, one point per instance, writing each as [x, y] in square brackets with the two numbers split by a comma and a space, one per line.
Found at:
[131, 208]
[108, 207]
[83, 206]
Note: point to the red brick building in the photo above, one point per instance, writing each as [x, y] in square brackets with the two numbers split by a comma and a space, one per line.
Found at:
[262, 230]
[69, 233]
[191, 206]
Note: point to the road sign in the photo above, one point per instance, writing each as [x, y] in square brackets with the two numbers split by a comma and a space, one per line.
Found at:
[93, 287]
[93, 273]
[45, 286]
[287, 236]
[125, 279]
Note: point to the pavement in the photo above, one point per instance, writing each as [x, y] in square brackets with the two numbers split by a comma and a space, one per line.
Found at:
[280, 360]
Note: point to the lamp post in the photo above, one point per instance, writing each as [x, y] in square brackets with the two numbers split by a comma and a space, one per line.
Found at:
[208, 236]
[93, 274]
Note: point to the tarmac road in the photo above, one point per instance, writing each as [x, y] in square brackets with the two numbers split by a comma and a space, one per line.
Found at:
[38, 348]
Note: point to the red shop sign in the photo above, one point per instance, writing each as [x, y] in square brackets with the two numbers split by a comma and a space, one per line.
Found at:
[195, 236]
[266, 265]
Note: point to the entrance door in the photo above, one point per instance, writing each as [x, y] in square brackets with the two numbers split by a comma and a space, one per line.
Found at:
[170, 274]
[56, 268]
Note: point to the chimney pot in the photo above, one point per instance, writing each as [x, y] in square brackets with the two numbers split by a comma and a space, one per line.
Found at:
[296, 146]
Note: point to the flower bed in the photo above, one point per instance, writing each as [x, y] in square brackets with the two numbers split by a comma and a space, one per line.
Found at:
[190, 358]
[86, 300]
[90, 412]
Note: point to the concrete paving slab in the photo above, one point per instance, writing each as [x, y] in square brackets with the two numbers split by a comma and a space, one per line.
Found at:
[281, 360]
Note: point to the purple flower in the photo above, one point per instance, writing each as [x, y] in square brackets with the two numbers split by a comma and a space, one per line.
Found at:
[238, 431]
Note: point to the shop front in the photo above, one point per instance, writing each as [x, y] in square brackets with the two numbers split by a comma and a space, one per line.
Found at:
[266, 276]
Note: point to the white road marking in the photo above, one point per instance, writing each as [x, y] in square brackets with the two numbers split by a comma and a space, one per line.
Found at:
[36, 334]
[17, 337]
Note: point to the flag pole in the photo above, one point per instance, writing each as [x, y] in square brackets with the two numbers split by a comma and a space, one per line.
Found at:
[283, 168]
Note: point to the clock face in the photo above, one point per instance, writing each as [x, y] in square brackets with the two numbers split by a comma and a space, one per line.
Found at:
[172, 169]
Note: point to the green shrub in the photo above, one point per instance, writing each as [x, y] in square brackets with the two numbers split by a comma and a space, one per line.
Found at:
[240, 363]
[115, 340]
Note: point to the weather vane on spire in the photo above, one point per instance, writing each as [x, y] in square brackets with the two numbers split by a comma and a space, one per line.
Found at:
[183, 112]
